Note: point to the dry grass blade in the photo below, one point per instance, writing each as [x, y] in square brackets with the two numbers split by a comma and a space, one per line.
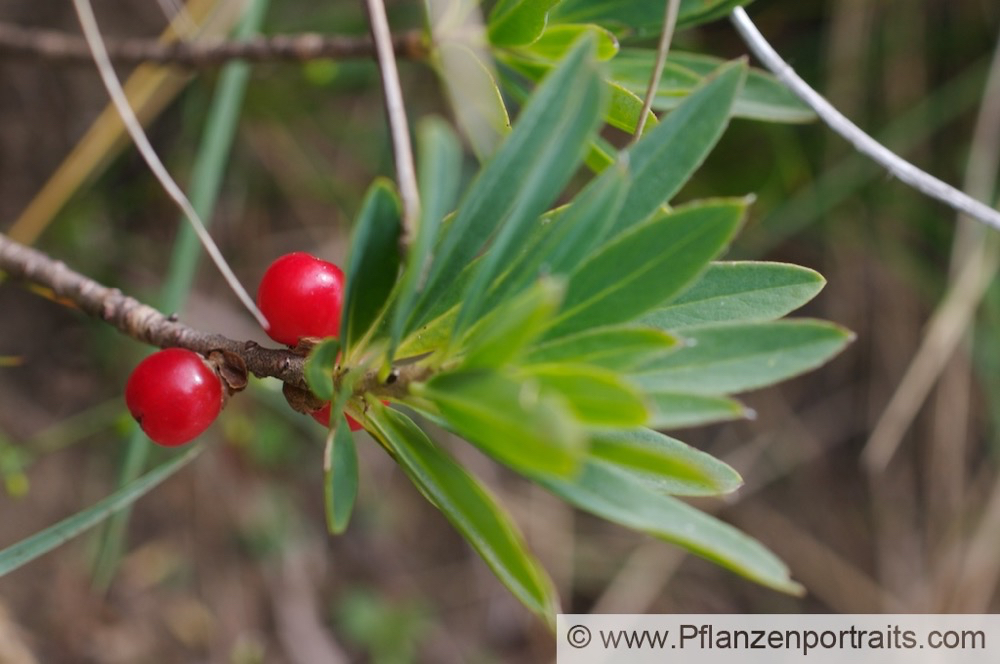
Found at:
[669, 23]
[149, 90]
[950, 322]
[92, 33]
[406, 172]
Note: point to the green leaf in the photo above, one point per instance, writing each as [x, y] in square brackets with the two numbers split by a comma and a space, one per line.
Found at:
[576, 96]
[674, 410]
[556, 41]
[517, 22]
[521, 177]
[511, 420]
[664, 463]
[502, 335]
[763, 97]
[598, 397]
[469, 507]
[739, 292]
[644, 16]
[616, 496]
[474, 96]
[439, 174]
[733, 358]
[340, 482]
[668, 154]
[44, 541]
[625, 110]
[564, 237]
[373, 263]
[647, 265]
[618, 348]
[319, 368]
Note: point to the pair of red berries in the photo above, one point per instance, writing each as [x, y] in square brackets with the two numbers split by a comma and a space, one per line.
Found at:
[175, 394]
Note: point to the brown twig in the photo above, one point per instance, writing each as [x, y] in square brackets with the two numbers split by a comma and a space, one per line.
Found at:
[144, 323]
[62, 46]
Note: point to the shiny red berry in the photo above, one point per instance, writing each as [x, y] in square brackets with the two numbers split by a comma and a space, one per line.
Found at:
[301, 295]
[174, 395]
[323, 417]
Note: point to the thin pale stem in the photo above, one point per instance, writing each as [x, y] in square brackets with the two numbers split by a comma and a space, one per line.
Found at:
[92, 33]
[406, 172]
[865, 144]
[666, 36]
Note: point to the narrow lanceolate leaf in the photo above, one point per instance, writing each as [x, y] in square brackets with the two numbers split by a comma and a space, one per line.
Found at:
[44, 541]
[319, 368]
[667, 155]
[733, 358]
[616, 496]
[598, 397]
[623, 348]
[557, 40]
[469, 507]
[569, 124]
[502, 335]
[438, 174]
[763, 96]
[373, 264]
[674, 410]
[511, 420]
[564, 237]
[474, 95]
[625, 109]
[665, 463]
[644, 16]
[517, 178]
[340, 468]
[647, 265]
[738, 292]
[517, 22]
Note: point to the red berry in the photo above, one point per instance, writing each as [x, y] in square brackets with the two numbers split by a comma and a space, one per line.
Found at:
[301, 295]
[323, 417]
[174, 395]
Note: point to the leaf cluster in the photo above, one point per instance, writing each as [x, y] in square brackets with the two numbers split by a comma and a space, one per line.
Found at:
[559, 338]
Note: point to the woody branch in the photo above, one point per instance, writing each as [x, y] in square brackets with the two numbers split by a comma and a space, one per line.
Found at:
[62, 46]
[144, 323]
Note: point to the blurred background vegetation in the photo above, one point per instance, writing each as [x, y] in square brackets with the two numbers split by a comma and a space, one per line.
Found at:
[230, 562]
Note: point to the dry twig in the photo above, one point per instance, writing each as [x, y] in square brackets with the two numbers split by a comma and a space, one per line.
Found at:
[54, 45]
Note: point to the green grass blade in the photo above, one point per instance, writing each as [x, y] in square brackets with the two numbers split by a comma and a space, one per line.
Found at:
[469, 507]
[42, 542]
[207, 173]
